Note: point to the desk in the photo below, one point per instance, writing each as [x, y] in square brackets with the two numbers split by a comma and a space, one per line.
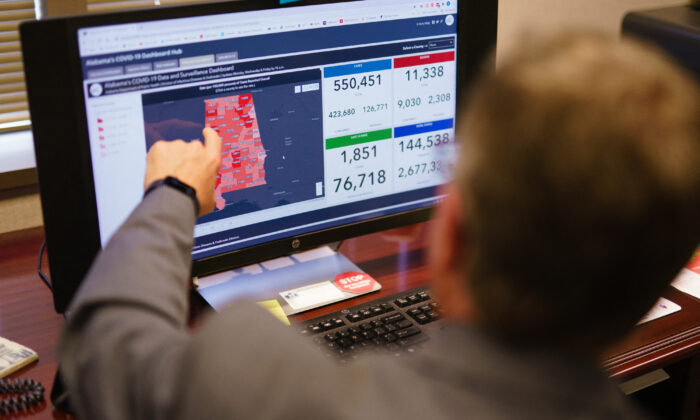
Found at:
[27, 316]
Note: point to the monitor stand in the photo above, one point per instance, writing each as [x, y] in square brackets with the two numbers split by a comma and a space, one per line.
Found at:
[298, 282]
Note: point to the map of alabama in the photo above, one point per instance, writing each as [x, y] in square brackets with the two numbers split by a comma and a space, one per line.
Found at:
[242, 154]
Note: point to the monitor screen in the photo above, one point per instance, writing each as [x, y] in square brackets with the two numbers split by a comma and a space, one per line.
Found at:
[329, 114]
[337, 118]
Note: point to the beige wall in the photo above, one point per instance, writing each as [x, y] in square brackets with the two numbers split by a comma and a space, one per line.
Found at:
[20, 208]
[517, 17]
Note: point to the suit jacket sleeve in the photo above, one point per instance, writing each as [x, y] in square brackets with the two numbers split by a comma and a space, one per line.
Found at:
[126, 334]
[126, 351]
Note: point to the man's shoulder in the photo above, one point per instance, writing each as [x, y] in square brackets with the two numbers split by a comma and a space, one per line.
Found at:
[454, 376]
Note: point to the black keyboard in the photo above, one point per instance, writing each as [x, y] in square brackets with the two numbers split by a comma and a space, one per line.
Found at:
[395, 324]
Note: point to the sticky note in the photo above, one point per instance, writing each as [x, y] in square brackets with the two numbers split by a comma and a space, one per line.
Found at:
[273, 307]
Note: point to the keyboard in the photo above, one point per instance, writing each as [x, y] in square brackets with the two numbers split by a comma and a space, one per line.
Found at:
[397, 324]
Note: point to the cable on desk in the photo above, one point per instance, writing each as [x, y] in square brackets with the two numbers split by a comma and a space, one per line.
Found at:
[28, 393]
[38, 267]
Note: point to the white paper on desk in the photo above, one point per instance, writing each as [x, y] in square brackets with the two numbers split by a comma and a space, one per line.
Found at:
[661, 308]
[312, 295]
[688, 282]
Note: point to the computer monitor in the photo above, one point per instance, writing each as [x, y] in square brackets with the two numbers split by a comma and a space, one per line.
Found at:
[332, 116]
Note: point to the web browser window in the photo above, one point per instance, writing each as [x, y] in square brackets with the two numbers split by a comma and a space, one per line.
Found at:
[328, 114]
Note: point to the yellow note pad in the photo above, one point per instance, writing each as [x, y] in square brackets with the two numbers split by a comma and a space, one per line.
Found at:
[275, 309]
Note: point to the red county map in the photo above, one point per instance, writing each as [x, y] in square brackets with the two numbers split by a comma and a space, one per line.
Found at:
[242, 154]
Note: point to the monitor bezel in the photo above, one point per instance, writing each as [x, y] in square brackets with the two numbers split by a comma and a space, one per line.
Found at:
[64, 167]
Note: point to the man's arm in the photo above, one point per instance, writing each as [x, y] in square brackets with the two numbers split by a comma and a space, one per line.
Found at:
[127, 331]
[126, 352]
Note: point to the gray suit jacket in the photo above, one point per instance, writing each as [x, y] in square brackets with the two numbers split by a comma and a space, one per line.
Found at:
[126, 353]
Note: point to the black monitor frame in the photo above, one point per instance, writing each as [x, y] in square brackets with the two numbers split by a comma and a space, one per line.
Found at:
[59, 125]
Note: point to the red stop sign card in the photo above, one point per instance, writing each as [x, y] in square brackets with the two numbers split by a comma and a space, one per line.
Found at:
[354, 282]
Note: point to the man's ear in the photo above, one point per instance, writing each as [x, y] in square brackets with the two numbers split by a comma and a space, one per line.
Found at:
[446, 250]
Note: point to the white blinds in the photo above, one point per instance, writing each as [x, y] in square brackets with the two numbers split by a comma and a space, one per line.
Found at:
[14, 112]
[13, 98]
[111, 5]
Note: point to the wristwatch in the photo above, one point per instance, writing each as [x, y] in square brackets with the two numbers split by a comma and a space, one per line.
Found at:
[175, 183]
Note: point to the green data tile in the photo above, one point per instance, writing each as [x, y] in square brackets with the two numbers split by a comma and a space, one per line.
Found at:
[359, 138]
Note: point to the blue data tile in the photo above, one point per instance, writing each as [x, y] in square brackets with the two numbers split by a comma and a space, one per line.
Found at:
[356, 68]
[409, 130]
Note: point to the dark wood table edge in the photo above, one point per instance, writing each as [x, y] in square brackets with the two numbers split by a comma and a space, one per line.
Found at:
[654, 355]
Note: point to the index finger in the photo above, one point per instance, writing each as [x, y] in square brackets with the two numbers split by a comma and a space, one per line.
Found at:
[212, 141]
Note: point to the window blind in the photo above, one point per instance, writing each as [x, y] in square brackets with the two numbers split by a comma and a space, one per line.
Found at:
[112, 5]
[14, 109]
[14, 112]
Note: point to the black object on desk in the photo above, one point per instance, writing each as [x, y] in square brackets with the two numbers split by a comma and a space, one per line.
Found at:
[396, 324]
[675, 30]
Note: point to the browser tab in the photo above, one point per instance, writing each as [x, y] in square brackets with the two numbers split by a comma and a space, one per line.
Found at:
[227, 56]
[138, 68]
[165, 64]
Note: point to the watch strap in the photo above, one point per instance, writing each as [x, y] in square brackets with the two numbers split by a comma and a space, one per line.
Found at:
[175, 183]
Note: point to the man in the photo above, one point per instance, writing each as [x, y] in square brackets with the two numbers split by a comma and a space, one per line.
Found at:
[578, 181]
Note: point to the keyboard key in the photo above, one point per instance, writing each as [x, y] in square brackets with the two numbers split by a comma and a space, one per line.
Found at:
[376, 323]
[342, 333]
[366, 326]
[422, 296]
[314, 328]
[391, 337]
[330, 337]
[386, 307]
[434, 315]
[368, 334]
[403, 324]
[412, 340]
[366, 313]
[345, 342]
[327, 325]
[354, 330]
[390, 327]
[380, 330]
[401, 302]
[413, 299]
[423, 318]
[354, 317]
[407, 332]
[414, 312]
[393, 318]
[337, 322]
[376, 310]
[426, 308]
[356, 338]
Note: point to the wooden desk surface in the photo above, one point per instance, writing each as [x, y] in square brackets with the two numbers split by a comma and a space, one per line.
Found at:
[27, 315]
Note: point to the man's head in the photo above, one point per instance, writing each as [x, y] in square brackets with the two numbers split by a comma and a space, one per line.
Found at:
[577, 196]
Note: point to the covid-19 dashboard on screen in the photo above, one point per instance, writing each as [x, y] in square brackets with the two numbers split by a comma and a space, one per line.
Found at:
[328, 114]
